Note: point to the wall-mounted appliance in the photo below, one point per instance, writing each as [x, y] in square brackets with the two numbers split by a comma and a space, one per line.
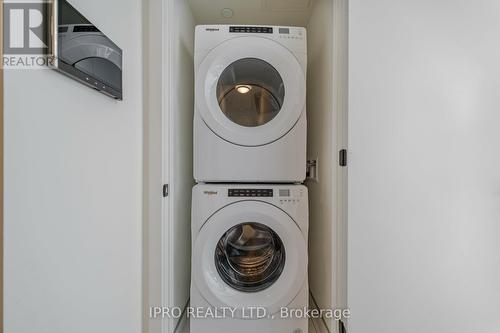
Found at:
[83, 52]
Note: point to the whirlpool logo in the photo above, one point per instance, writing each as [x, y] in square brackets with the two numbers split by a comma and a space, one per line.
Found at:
[210, 192]
[212, 29]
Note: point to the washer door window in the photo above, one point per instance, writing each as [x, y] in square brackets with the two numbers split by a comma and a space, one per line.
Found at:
[250, 92]
[250, 257]
[241, 264]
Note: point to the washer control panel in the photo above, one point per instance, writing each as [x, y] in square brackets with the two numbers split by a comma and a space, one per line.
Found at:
[288, 196]
[289, 33]
[280, 195]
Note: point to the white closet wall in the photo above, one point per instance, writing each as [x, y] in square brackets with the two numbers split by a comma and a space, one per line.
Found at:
[424, 174]
[73, 192]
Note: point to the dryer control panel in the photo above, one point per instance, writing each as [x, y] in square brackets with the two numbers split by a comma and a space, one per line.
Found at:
[208, 37]
[250, 192]
[253, 30]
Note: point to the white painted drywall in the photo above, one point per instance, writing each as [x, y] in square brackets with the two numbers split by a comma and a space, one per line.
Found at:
[154, 210]
[424, 174]
[73, 192]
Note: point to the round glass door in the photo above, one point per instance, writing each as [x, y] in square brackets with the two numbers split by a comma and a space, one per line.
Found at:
[250, 92]
[239, 263]
[250, 257]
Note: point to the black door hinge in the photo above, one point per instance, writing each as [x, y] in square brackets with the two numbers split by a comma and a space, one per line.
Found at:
[342, 327]
[165, 190]
[343, 157]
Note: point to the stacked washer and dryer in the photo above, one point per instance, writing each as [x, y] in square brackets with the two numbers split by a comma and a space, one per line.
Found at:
[249, 209]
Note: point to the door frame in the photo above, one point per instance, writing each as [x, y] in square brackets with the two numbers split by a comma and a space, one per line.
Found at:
[155, 206]
[1, 169]
[158, 280]
[341, 109]
[158, 257]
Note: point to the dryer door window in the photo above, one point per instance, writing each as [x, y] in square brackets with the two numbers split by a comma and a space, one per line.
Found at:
[250, 257]
[250, 92]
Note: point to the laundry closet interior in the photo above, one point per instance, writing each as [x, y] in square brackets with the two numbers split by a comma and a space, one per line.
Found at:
[168, 123]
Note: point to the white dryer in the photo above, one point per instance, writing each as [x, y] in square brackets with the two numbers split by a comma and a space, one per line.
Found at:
[249, 258]
[250, 104]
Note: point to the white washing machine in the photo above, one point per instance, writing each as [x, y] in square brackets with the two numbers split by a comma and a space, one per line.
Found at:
[249, 258]
[250, 104]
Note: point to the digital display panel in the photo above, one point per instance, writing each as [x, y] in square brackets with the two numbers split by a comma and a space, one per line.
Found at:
[250, 192]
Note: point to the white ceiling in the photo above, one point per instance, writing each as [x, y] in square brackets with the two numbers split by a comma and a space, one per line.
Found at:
[267, 12]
